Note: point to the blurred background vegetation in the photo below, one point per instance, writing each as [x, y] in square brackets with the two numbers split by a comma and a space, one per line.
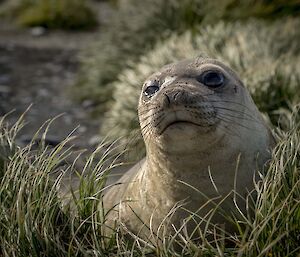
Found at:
[258, 38]
[53, 14]
[139, 25]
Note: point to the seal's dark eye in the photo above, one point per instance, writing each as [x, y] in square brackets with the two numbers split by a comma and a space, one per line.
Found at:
[213, 79]
[151, 90]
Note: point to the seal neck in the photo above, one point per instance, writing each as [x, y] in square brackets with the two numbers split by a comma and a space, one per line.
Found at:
[177, 165]
[180, 175]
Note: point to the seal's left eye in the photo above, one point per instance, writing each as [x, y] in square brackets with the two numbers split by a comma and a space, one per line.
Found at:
[151, 90]
[212, 79]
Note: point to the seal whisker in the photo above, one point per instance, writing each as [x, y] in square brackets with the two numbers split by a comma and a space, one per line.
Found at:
[221, 101]
[229, 120]
[142, 119]
[238, 116]
[147, 128]
[228, 109]
[146, 110]
[152, 115]
[227, 129]
[146, 133]
[232, 102]
[226, 119]
[240, 112]
[158, 123]
[154, 105]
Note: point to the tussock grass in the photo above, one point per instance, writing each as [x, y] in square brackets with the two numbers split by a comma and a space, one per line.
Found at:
[135, 29]
[35, 221]
[275, 228]
[269, 68]
[138, 25]
[34, 218]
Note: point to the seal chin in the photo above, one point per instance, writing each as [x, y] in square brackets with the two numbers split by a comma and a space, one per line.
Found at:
[179, 137]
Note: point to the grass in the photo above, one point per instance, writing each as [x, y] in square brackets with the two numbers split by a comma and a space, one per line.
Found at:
[276, 222]
[138, 26]
[52, 14]
[36, 221]
[268, 68]
[33, 219]
[132, 31]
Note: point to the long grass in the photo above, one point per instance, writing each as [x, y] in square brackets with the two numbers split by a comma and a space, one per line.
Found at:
[36, 219]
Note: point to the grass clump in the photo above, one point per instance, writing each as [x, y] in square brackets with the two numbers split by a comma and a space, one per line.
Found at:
[268, 68]
[138, 25]
[52, 14]
[35, 221]
[34, 217]
[275, 229]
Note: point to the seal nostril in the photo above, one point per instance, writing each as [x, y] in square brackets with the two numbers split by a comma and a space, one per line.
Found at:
[175, 96]
[168, 98]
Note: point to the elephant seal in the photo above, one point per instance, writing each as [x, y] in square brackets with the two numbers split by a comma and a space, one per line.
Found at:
[197, 119]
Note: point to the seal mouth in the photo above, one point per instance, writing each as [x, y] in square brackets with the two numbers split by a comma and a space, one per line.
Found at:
[179, 122]
[192, 120]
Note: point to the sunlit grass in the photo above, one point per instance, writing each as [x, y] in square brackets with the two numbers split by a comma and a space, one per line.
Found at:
[36, 220]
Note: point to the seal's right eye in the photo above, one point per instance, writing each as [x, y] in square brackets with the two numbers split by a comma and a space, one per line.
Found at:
[150, 90]
[212, 79]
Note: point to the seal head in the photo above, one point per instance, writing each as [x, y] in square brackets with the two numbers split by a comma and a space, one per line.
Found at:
[197, 119]
[198, 102]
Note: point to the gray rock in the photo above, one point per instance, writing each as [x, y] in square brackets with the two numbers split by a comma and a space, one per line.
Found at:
[4, 79]
[4, 89]
[38, 31]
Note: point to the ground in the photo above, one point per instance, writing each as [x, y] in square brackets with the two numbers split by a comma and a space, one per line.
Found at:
[41, 70]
